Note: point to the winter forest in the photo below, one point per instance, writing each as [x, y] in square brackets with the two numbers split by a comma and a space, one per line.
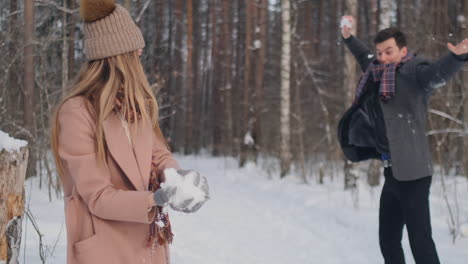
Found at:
[250, 93]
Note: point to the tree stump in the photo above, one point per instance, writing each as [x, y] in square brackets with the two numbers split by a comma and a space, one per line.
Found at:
[373, 174]
[13, 164]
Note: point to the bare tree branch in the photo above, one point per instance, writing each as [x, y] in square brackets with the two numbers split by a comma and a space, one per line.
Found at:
[445, 131]
[142, 11]
[56, 5]
[443, 114]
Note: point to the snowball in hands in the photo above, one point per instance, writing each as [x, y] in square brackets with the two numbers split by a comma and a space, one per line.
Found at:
[191, 190]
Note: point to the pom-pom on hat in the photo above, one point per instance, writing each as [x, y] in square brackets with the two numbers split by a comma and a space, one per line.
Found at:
[109, 29]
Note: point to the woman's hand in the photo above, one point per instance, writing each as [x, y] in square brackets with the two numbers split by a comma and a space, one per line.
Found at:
[199, 181]
[184, 190]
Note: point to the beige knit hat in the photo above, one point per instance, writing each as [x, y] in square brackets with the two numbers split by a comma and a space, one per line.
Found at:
[108, 29]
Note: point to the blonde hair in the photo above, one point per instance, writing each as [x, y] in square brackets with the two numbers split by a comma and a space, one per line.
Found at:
[99, 81]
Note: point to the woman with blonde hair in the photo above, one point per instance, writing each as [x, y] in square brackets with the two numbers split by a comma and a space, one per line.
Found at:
[111, 156]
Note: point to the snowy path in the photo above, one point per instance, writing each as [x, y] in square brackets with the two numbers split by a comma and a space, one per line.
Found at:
[252, 220]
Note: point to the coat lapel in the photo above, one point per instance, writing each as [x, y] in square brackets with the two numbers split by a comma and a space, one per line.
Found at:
[124, 155]
[143, 144]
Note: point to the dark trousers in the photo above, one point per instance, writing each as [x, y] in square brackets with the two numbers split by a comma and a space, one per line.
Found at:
[406, 202]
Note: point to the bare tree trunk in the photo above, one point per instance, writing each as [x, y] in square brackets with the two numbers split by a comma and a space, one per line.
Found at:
[464, 32]
[260, 46]
[198, 64]
[189, 81]
[227, 80]
[71, 40]
[238, 77]
[303, 45]
[374, 21]
[177, 74]
[285, 144]
[206, 74]
[219, 83]
[12, 81]
[335, 82]
[161, 61]
[373, 173]
[29, 103]
[65, 49]
[246, 135]
[399, 13]
[216, 90]
[158, 69]
[321, 15]
[300, 127]
[12, 174]
[350, 80]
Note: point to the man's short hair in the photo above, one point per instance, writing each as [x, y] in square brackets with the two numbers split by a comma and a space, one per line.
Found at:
[389, 33]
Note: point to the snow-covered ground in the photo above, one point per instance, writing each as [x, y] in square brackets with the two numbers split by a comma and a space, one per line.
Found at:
[253, 218]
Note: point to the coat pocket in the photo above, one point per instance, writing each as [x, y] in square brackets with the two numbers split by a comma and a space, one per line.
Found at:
[79, 224]
[90, 251]
[83, 246]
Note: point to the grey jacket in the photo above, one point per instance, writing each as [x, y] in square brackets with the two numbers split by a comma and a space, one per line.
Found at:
[405, 114]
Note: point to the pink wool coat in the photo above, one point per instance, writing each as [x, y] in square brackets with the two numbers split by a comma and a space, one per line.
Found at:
[106, 203]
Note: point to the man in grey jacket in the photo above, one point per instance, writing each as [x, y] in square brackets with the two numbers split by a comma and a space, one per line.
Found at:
[388, 121]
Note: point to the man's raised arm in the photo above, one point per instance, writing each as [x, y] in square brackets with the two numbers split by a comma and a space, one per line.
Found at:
[436, 74]
[361, 52]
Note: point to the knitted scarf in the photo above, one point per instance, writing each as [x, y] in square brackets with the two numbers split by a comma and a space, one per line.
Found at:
[160, 229]
[383, 73]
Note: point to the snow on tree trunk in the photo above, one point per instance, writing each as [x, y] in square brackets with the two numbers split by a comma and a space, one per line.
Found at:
[285, 146]
[350, 82]
[13, 164]
[385, 14]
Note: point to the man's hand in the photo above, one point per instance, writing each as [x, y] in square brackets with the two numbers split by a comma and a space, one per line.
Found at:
[346, 26]
[460, 49]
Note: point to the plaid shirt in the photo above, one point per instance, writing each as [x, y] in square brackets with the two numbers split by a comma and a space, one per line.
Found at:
[383, 73]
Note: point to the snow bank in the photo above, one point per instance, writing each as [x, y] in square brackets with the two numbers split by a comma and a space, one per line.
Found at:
[10, 144]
